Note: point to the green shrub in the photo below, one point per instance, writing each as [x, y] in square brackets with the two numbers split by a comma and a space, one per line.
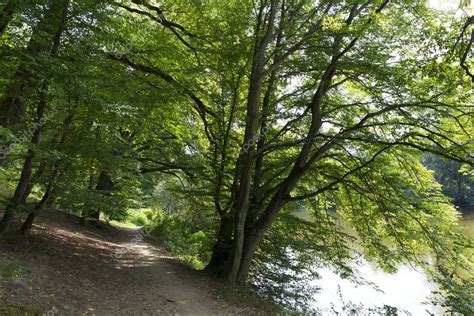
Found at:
[138, 219]
[182, 237]
[148, 214]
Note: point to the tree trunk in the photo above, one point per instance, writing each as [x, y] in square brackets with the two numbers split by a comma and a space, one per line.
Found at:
[25, 178]
[34, 179]
[86, 209]
[264, 126]
[20, 192]
[56, 13]
[222, 247]
[46, 39]
[246, 253]
[48, 196]
[301, 165]
[104, 186]
[7, 14]
[93, 216]
[255, 237]
[89, 215]
[28, 223]
[304, 160]
[241, 203]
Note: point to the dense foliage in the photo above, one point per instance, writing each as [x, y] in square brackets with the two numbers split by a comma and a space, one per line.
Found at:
[227, 117]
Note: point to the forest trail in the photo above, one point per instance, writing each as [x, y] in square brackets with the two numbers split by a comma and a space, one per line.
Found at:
[63, 268]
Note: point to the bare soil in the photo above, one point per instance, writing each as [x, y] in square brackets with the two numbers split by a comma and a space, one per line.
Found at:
[63, 268]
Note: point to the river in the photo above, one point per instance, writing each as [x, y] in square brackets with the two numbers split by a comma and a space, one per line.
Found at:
[406, 289]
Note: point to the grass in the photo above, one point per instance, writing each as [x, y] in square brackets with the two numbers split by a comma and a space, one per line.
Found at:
[10, 273]
[5, 194]
[125, 224]
[242, 296]
[9, 268]
[17, 310]
[136, 218]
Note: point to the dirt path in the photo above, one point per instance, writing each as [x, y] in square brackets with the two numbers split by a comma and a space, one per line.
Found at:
[65, 269]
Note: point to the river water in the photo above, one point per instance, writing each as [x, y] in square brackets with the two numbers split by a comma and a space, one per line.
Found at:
[406, 289]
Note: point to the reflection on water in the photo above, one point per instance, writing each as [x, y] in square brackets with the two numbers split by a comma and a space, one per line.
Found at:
[468, 223]
[407, 289]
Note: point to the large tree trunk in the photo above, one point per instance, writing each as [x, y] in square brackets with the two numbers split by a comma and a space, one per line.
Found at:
[301, 165]
[222, 247]
[256, 197]
[85, 210]
[104, 186]
[255, 236]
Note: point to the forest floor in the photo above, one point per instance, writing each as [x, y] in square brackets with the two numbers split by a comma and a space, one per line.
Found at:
[63, 268]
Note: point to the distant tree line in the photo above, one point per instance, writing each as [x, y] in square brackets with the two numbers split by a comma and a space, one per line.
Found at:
[455, 183]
